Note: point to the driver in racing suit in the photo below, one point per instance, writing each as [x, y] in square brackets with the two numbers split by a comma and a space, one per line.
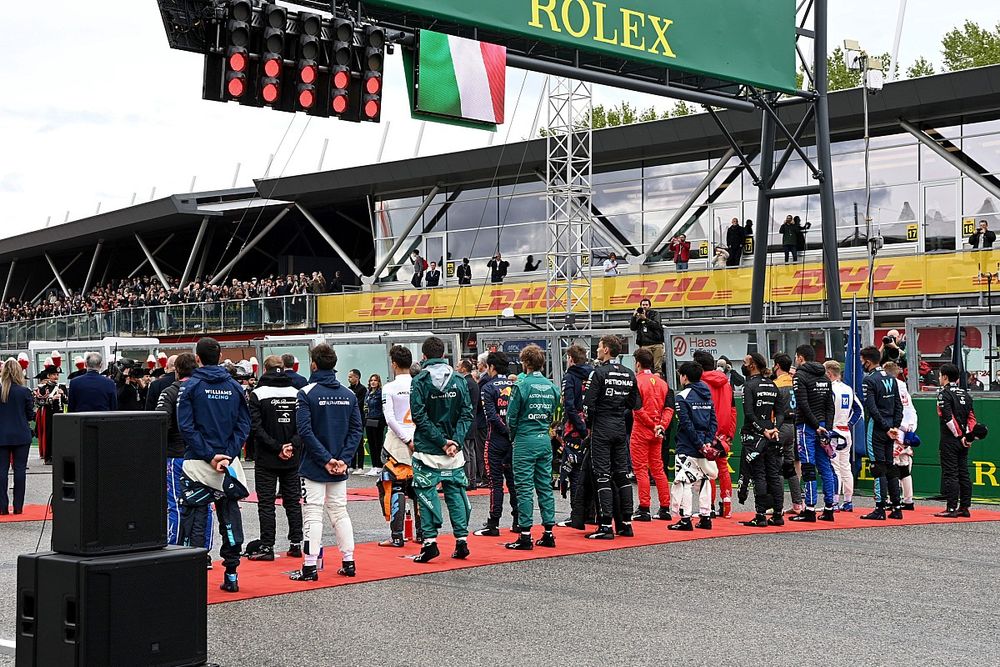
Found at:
[763, 414]
[847, 410]
[903, 449]
[611, 395]
[813, 414]
[575, 469]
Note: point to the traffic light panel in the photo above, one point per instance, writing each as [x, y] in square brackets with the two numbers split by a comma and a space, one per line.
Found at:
[273, 61]
[310, 28]
[372, 63]
[237, 55]
[340, 82]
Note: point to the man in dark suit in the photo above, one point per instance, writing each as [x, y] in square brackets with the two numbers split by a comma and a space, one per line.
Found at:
[92, 392]
[161, 383]
[289, 362]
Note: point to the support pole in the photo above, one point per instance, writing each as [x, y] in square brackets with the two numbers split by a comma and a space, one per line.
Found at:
[763, 222]
[194, 251]
[55, 271]
[93, 265]
[144, 262]
[248, 247]
[10, 276]
[51, 282]
[401, 239]
[329, 240]
[152, 261]
[950, 158]
[209, 237]
[824, 162]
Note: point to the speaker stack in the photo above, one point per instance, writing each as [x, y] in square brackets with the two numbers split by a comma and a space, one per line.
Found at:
[111, 592]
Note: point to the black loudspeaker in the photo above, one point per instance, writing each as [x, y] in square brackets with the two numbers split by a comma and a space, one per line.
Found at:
[109, 482]
[147, 608]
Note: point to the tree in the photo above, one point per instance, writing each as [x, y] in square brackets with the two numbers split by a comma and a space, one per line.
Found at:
[920, 67]
[682, 109]
[971, 46]
[840, 76]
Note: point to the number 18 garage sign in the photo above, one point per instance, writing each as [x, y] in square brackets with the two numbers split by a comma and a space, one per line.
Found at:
[744, 41]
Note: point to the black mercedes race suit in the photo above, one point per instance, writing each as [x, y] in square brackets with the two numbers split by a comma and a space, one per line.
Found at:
[884, 411]
[957, 417]
[575, 470]
[763, 410]
[611, 396]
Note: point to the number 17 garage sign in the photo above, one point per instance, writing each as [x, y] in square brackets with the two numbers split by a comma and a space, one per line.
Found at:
[744, 41]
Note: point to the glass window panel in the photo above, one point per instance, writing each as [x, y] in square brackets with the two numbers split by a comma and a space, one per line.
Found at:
[473, 244]
[732, 182]
[933, 349]
[524, 188]
[628, 225]
[985, 151]
[893, 212]
[793, 175]
[403, 202]
[933, 167]
[652, 225]
[616, 198]
[668, 192]
[389, 222]
[887, 166]
[940, 216]
[980, 205]
[807, 208]
[617, 175]
[514, 210]
[675, 168]
[524, 240]
[472, 214]
[986, 127]
[476, 193]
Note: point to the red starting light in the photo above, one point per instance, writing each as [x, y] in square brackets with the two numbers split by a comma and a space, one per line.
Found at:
[270, 92]
[238, 61]
[339, 103]
[373, 85]
[307, 98]
[308, 74]
[272, 67]
[341, 79]
[371, 108]
[236, 87]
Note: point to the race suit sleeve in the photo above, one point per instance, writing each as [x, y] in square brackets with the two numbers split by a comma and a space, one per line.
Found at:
[569, 407]
[464, 417]
[389, 411]
[646, 416]
[830, 407]
[257, 424]
[355, 432]
[595, 387]
[314, 449]
[757, 426]
[418, 413]
[780, 408]
[947, 413]
[185, 424]
[489, 394]
[897, 410]
[687, 422]
[802, 403]
[242, 430]
[514, 410]
[713, 427]
[669, 408]
[635, 398]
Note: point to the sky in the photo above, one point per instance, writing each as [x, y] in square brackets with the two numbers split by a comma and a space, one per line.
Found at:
[96, 110]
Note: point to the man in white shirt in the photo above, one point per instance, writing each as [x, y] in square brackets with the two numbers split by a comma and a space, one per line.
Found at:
[847, 410]
[611, 266]
[902, 452]
[396, 478]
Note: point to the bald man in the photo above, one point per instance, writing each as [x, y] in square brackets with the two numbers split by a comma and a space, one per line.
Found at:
[161, 383]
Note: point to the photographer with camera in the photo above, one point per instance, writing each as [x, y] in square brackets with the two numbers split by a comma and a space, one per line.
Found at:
[681, 248]
[648, 332]
[892, 347]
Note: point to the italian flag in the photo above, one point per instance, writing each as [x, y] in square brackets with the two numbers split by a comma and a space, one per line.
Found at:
[461, 77]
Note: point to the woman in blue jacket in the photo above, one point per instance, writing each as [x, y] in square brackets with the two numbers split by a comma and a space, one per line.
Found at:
[374, 423]
[16, 411]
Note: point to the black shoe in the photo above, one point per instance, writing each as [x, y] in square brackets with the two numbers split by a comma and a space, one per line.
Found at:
[625, 530]
[705, 523]
[516, 529]
[759, 521]
[230, 583]
[547, 540]
[307, 573]
[963, 513]
[663, 514]
[262, 552]
[488, 530]
[569, 523]
[461, 551]
[827, 515]
[428, 552]
[684, 524]
[776, 520]
[602, 533]
[347, 569]
[294, 550]
[909, 507]
[805, 516]
[949, 514]
[522, 543]
[642, 514]
[877, 514]
[397, 542]
[896, 513]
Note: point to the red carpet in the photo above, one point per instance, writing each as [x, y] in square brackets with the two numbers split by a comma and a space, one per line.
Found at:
[379, 563]
[364, 493]
[31, 513]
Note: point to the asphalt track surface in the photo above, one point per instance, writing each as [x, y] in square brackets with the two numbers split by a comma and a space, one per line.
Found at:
[920, 595]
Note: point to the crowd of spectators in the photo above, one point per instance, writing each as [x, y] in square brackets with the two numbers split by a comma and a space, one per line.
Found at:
[147, 291]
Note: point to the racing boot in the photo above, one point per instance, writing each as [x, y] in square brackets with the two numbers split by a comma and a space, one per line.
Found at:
[909, 507]
[230, 583]
[896, 513]
[461, 551]
[603, 532]
[759, 521]
[963, 513]
[847, 507]
[663, 514]
[827, 514]
[877, 514]
[776, 520]
[394, 541]
[489, 529]
[548, 540]
[262, 552]
[806, 516]
[705, 523]
[347, 569]
[625, 530]
[294, 550]
[684, 524]
[428, 552]
[569, 523]
[948, 514]
[523, 543]
[642, 514]
[307, 573]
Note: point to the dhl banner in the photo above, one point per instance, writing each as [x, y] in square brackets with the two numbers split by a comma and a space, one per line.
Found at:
[950, 273]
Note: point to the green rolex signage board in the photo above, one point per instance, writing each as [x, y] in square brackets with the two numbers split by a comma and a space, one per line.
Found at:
[745, 41]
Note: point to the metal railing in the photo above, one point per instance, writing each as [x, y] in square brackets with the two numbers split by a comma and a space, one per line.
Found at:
[283, 313]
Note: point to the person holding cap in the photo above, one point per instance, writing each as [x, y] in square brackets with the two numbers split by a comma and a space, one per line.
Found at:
[50, 399]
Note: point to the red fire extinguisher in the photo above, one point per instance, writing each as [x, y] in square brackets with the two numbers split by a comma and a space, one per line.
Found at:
[408, 526]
